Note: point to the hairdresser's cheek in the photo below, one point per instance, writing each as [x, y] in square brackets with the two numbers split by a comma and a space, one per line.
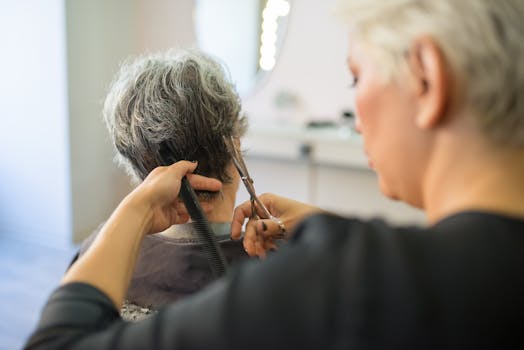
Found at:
[374, 113]
[365, 106]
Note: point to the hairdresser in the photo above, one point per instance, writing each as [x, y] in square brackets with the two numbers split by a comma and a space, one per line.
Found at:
[439, 97]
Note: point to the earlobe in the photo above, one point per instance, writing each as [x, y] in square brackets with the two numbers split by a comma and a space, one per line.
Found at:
[429, 71]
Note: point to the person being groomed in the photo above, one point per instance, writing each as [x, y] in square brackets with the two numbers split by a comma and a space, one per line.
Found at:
[162, 108]
[438, 95]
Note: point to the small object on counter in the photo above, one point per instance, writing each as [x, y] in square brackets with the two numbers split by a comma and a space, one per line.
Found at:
[305, 150]
[321, 124]
[348, 120]
[348, 114]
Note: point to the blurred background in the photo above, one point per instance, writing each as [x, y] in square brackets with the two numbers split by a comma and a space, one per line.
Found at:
[57, 178]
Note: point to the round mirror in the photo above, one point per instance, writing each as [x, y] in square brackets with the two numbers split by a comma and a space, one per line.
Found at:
[245, 34]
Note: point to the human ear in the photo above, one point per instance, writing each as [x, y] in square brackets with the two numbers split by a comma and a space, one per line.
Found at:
[428, 67]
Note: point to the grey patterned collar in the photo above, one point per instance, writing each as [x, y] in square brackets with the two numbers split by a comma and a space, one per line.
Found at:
[187, 231]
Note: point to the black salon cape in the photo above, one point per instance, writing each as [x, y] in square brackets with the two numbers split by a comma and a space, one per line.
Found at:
[340, 284]
[168, 269]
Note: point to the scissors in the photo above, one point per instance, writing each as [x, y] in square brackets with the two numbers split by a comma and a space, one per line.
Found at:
[248, 183]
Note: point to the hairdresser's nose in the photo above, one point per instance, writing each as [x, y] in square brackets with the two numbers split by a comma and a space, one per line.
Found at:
[358, 124]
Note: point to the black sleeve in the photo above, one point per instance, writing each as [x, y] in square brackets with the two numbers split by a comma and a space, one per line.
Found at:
[72, 311]
[290, 300]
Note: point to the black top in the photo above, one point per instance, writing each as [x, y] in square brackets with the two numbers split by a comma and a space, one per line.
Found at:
[340, 284]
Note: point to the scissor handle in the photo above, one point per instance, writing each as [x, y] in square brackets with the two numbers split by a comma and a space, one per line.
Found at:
[256, 201]
[239, 163]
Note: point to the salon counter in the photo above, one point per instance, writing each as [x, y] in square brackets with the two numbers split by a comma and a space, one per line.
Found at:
[322, 166]
[327, 146]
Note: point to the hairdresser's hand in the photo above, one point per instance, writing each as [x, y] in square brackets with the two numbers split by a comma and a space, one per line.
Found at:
[158, 193]
[151, 207]
[261, 234]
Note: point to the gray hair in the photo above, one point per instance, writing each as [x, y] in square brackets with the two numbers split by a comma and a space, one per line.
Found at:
[483, 41]
[171, 106]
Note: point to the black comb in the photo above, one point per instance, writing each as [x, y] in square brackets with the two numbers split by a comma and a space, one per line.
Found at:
[205, 232]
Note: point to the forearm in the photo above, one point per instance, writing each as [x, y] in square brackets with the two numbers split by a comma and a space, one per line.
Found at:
[109, 262]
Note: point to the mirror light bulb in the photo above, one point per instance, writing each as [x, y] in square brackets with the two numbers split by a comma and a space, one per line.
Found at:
[267, 63]
[268, 38]
[282, 8]
[270, 25]
[268, 50]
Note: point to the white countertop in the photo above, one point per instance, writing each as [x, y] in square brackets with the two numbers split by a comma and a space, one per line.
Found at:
[337, 146]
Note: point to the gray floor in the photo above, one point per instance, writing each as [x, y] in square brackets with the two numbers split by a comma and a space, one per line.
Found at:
[28, 274]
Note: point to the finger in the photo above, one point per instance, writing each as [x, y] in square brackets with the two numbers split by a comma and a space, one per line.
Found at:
[250, 238]
[269, 202]
[182, 168]
[185, 168]
[270, 245]
[249, 247]
[240, 214]
[254, 242]
[199, 182]
[259, 248]
[206, 206]
[251, 233]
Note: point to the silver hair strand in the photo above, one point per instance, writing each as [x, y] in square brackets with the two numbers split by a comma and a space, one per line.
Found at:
[175, 105]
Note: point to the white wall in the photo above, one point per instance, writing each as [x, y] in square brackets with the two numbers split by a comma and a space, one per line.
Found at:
[162, 24]
[34, 179]
[311, 66]
[229, 29]
[100, 34]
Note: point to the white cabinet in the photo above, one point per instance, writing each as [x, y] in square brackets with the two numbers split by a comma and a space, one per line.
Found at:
[287, 178]
[352, 191]
[326, 168]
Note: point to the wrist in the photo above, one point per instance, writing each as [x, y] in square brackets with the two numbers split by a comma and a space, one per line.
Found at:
[137, 205]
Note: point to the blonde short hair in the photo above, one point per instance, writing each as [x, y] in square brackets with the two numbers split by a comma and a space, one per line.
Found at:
[483, 41]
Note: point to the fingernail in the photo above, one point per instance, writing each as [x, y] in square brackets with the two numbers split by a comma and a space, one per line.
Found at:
[194, 161]
[264, 226]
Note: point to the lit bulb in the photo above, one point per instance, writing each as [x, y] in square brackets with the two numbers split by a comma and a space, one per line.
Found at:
[273, 10]
[268, 37]
[270, 25]
[268, 50]
[267, 63]
[282, 8]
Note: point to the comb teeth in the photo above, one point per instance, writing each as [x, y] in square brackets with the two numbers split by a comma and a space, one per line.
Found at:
[205, 233]
[216, 261]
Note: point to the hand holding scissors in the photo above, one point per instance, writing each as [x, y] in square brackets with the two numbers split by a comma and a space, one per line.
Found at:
[258, 209]
[267, 213]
